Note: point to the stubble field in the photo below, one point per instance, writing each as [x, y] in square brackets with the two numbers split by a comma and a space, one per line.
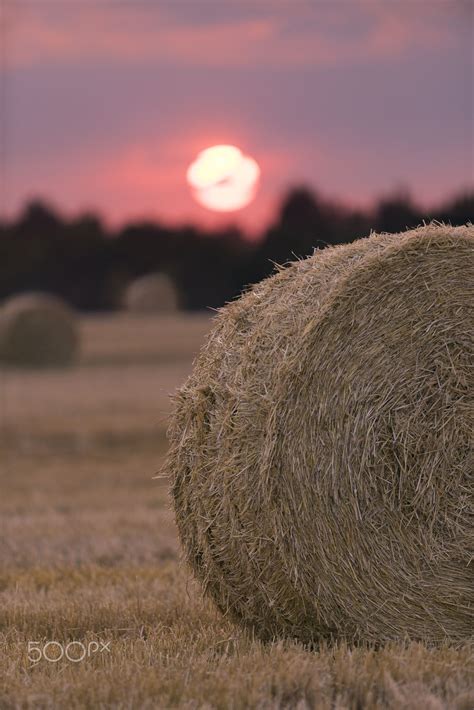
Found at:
[90, 558]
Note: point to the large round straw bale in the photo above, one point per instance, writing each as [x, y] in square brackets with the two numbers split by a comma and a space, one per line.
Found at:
[37, 330]
[320, 451]
[153, 293]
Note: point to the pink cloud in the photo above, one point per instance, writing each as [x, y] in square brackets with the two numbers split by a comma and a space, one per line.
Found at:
[124, 33]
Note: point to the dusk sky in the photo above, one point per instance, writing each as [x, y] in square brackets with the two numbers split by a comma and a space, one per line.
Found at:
[107, 103]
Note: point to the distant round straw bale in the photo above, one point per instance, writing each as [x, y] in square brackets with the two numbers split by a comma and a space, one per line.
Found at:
[153, 293]
[37, 330]
[320, 451]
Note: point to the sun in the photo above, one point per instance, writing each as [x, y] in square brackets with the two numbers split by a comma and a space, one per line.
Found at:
[223, 179]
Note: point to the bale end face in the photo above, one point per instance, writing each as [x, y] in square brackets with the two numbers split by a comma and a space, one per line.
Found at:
[321, 450]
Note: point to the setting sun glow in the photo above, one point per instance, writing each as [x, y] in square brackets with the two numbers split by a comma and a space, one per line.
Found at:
[223, 179]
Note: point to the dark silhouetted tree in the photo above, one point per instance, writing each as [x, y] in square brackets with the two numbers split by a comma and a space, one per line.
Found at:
[80, 261]
[396, 213]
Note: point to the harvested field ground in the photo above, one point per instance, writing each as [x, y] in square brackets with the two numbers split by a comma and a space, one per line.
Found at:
[89, 553]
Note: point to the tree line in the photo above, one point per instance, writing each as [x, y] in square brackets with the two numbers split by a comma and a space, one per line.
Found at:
[89, 266]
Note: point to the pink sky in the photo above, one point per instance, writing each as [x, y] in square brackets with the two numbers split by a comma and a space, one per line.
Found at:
[108, 103]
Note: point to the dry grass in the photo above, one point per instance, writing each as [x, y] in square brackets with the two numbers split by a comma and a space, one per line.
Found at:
[155, 339]
[89, 550]
[118, 404]
[118, 393]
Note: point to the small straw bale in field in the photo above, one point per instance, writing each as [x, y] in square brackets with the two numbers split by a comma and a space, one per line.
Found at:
[320, 451]
[154, 293]
[37, 330]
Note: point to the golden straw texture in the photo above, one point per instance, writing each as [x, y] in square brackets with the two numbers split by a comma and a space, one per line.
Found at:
[320, 451]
